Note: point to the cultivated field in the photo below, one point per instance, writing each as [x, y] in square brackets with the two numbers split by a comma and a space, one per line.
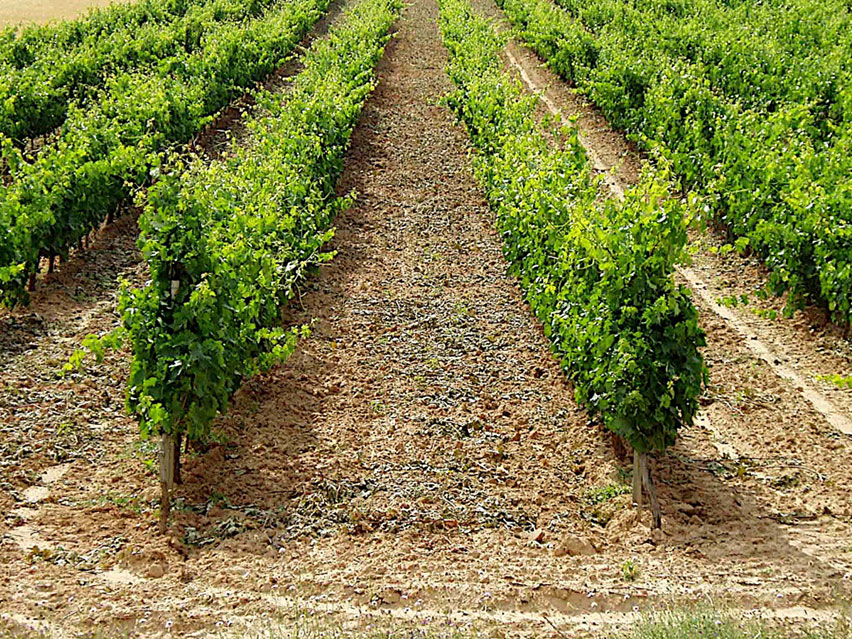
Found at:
[41, 11]
[354, 318]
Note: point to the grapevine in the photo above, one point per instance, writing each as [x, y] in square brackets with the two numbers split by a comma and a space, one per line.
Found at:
[228, 242]
[597, 275]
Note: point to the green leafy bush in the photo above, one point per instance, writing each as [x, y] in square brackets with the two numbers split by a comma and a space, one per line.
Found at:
[228, 242]
[597, 274]
[112, 147]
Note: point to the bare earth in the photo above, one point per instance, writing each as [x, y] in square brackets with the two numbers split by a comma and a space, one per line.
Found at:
[41, 11]
[421, 456]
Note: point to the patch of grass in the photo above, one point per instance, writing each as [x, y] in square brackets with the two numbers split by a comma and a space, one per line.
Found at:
[317, 626]
[129, 502]
[461, 309]
[710, 623]
[600, 494]
[691, 624]
[688, 623]
[600, 503]
[144, 450]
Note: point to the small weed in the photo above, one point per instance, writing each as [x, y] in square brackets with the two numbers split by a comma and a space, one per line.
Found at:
[219, 437]
[600, 504]
[65, 428]
[766, 313]
[624, 474]
[629, 570]
[128, 502]
[144, 450]
[785, 482]
[838, 380]
[600, 494]
[218, 499]
[740, 246]
[460, 311]
[732, 301]
[433, 256]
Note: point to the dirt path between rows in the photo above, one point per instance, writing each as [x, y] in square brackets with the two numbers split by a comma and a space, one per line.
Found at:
[420, 456]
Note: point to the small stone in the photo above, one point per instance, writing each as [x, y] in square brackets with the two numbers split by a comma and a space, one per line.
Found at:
[686, 509]
[574, 546]
[156, 571]
[537, 535]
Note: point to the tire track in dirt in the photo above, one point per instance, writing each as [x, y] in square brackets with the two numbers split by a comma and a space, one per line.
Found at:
[402, 615]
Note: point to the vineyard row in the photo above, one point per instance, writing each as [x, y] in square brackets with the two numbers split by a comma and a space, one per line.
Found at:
[22, 46]
[107, 150]
[36, 99]
[228, 241]
[597, 274]
[774, 170]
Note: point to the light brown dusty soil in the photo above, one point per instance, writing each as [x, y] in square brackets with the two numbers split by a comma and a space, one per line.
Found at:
[40, 11]
[420, 454]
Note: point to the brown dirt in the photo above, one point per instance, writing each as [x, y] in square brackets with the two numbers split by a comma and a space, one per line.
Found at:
[41, 11]
[400, 462]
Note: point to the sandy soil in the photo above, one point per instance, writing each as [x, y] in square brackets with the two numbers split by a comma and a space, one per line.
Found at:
[41, 11]
[421, 456]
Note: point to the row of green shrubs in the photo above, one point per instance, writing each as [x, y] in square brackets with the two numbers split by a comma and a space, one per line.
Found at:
[22, 45]
[109, 149]
[775, 171]
[597, 272]
[35, 99]
[227, 242]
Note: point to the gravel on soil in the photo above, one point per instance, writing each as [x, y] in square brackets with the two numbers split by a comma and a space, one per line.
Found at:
[420, 453]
